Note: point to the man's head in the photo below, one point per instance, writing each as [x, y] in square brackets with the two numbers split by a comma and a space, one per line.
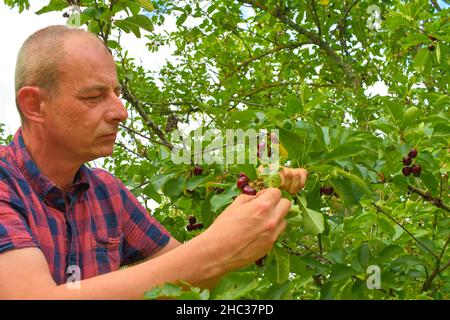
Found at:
[67, 91]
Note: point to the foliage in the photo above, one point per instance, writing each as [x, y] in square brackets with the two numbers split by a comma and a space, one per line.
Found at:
[4, 138]
[303, 67]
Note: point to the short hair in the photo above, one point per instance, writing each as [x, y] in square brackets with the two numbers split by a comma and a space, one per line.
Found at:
[39, 58]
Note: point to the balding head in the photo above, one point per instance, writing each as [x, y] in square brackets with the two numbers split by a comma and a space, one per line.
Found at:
[42, 54]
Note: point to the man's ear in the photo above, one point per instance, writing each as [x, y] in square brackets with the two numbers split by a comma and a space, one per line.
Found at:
[31, 102]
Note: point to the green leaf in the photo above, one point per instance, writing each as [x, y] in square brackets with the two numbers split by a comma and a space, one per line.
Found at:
[364, 255]
[312, 220]
[159, 180]
[420, 60]
[207, 214]
[414, 39]
[411, 116]
[172, 291]
[195, 181]
[344, 151]
[293, 106]
[235, 285]
[146, 4]
[134, 23]
[181, 19]
[174, 186]
[329, 290]
[396, 110]
[340, 272]
[222, 199]
[278, 291]
[277, 266]
[53, 5]
[290, 141]
[363, 185]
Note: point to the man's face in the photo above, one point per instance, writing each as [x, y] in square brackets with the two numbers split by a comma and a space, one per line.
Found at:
[84, 114]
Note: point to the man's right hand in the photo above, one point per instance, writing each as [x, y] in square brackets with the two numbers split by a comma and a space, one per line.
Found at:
[247, 229]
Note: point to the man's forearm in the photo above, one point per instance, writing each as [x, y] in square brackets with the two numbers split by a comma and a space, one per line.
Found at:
[188, 262]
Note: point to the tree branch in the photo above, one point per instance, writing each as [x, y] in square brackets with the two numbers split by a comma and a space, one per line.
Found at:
[134, 152]
[354, 79]
[428, 197]
[427, 284]
[436, 5]
[264, 54]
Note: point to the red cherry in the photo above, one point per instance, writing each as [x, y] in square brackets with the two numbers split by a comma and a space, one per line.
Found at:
[197, 226]
[190, 227]
[407, 161]
[416, 170]
[406, 171]
[198, 171]
[260, 261]
[192, 220]
[412, 153]
[249, 190]
[242, 175]
[242, 182]
[328, 190]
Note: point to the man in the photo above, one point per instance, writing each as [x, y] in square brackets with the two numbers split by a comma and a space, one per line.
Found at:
[61, 221]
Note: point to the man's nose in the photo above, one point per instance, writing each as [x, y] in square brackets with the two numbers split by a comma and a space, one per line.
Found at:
[118, 111]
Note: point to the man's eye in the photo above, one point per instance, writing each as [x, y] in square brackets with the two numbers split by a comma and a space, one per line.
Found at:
[94, 98]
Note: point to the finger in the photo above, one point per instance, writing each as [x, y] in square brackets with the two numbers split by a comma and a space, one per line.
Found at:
[288, 177]
[242, 199]
[282, 209]
[280, 228]
[282, 178]
[304, 176]
[297, 182]
[273, 195]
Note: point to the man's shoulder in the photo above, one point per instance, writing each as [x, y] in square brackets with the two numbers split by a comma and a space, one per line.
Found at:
[103, 177]
[7, 165]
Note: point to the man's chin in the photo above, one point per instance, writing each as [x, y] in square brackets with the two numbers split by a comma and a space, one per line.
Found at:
[101, 154]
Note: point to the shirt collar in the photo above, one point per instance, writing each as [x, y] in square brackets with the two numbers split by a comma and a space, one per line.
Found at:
[42, 185]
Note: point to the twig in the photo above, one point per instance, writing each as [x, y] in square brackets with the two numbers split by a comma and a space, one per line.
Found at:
[313, 37]
[427, 284]
[436, 5]
[148, 122]
[427, 196]
[262, 55]
[406, 230]
[134, 152]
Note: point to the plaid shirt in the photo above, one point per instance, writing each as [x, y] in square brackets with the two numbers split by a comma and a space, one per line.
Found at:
[97, 225]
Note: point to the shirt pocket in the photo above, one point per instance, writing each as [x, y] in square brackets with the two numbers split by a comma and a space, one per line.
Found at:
[106, 253]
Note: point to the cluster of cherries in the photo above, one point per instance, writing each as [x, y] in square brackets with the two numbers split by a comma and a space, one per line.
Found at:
[193, 225]
[415, 169]
[242, 183]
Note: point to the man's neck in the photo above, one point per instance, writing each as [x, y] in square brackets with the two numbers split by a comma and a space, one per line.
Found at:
[53, 162]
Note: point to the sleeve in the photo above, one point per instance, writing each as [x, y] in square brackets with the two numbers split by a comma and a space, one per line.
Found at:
[14, 230]
[143, 235]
